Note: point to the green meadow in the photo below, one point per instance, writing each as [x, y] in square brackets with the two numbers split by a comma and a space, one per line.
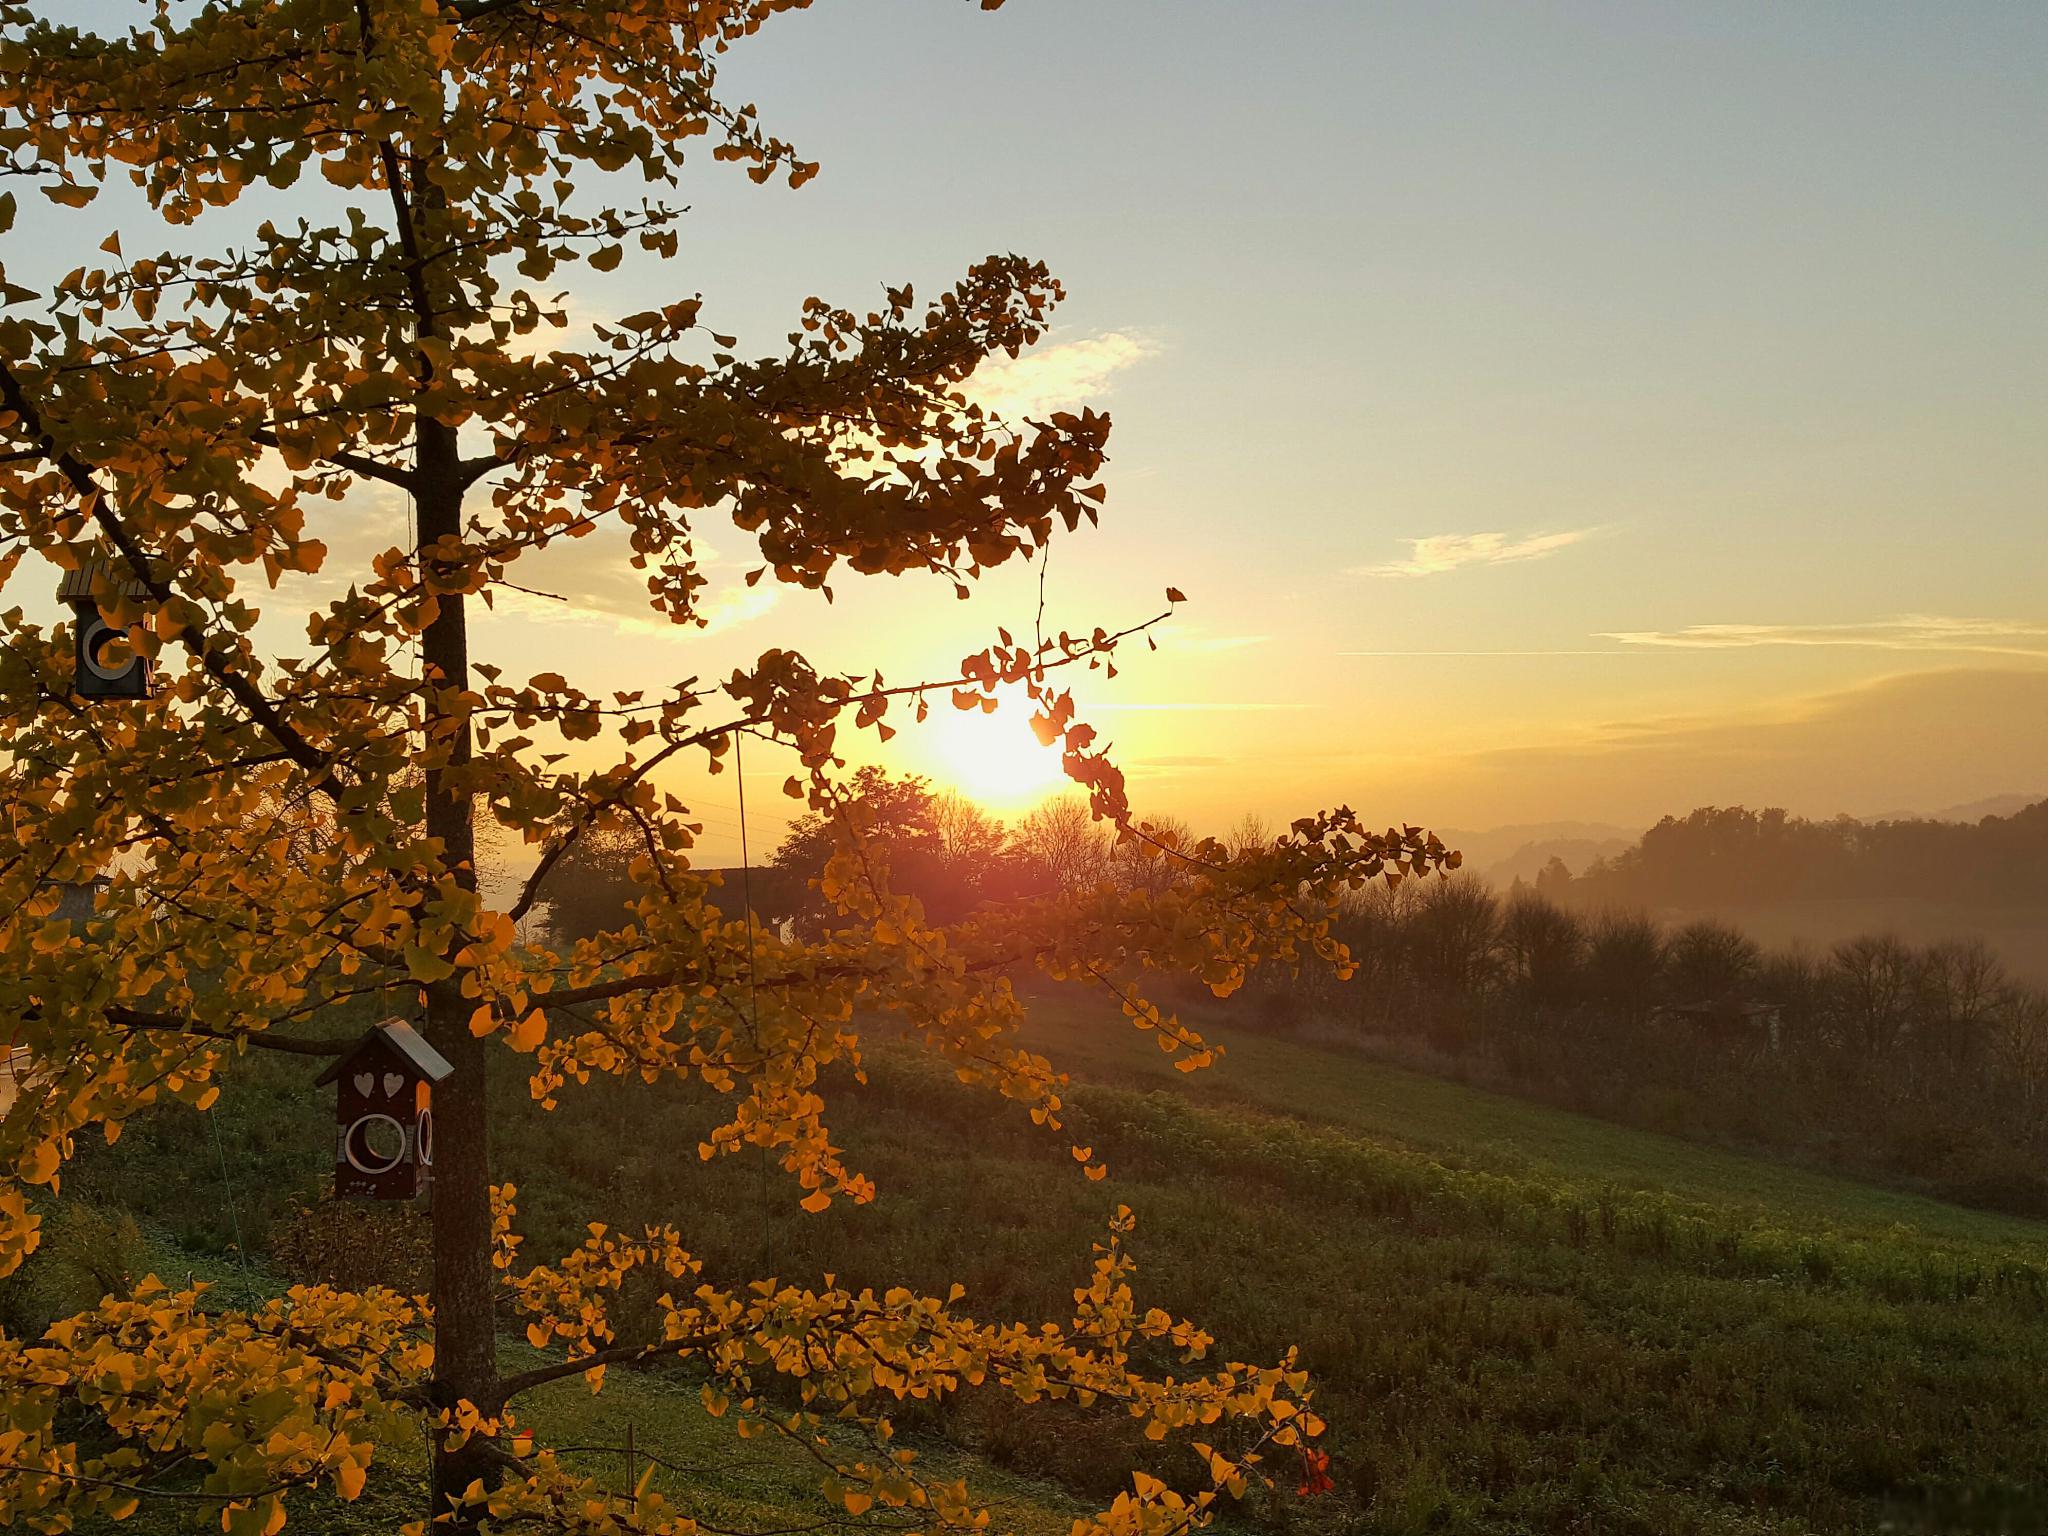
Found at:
[1520, 1320]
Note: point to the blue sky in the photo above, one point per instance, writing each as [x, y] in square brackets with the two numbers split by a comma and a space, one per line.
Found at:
[1731, 315]
[1699, 346]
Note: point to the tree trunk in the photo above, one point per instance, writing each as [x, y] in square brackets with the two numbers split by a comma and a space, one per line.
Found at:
[465, 1332]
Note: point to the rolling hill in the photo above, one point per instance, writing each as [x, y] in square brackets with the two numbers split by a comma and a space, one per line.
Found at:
[1522, 1320]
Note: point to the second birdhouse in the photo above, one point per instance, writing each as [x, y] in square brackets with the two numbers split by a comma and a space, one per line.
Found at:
[384, 1113]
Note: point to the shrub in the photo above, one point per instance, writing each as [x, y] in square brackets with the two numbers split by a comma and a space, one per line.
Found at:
[355, 1244]
[87, 1254]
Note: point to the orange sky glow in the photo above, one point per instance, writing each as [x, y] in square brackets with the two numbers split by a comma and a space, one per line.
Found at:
[1546, 420]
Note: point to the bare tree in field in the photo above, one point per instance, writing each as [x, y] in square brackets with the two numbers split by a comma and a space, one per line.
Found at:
[1543, 948]
[1961, 987]
[1625, 965]
[2019, 1047]
[1141, 859]
[1251, 835]
[1454, 934]
[1871, 980]
[968, 836]
[1064, 844]
[1374, 926]
[1797, 982]
[1707, 960]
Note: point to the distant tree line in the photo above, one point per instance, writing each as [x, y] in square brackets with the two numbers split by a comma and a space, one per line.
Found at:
[1726, 855]
[1928, 1064]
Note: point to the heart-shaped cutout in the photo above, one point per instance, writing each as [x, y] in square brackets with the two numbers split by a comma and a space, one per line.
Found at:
[393, 1081]
[364, 1082]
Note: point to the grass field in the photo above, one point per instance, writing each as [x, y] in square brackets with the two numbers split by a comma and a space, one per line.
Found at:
[1489, 1130]
[1521, 1320]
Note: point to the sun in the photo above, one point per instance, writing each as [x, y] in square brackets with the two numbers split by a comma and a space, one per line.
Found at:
[994, 759]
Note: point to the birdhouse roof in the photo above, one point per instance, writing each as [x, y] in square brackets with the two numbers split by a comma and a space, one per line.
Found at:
[401, 1037]
[96, 576]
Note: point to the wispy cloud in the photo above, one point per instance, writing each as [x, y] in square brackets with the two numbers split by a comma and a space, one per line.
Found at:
[1514, 653]
[1910, 632]
[630, 612]
[1788, 750]
[733, 606]
[1058, 377]
[576, 581]
[1930, 736]
[1201, 642]
[1192, 706]
[1441, 552]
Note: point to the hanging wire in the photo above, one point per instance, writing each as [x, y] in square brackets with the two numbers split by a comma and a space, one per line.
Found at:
[418, 675]
[739, 760]
[234, 1213]
[419, 574]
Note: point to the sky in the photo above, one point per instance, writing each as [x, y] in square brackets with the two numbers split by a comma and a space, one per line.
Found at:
[1551, 411]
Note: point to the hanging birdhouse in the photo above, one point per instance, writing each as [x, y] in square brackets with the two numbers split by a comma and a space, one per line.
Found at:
[384, 1113]
[104, 666]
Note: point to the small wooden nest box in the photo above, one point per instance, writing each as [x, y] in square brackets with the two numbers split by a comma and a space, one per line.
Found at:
[384, 1114]
[101, 669]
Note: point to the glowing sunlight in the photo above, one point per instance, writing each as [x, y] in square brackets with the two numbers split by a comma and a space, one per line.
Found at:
[994, 759]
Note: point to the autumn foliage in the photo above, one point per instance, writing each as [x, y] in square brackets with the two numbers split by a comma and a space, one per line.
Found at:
[288, 835]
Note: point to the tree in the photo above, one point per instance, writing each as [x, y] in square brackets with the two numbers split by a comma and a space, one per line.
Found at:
[1554, 880]
[891, 820]
[591, 886]
[1251, 835]
[1960, 988]
[186, 420]
[1797, 984]
[892, 816]
[1144, 856]
[1625, 964]
[1543, 947]
[943, 849]
[1374, 924]
[1453, 936]
[1871, 982]
[975, 862]
[1062, 845]
[1705, 961]
[2019, 1047]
